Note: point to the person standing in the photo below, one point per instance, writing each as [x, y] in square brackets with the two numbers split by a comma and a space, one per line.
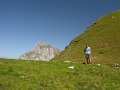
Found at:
[87, 52]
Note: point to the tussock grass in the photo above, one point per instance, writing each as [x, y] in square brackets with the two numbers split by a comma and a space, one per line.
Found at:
[54, 75]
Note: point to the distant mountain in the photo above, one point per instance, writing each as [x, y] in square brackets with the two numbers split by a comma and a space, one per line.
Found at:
[42, 51]
[103, 36]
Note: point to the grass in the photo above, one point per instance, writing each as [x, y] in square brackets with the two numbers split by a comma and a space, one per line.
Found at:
[54, 75]
[103, 36]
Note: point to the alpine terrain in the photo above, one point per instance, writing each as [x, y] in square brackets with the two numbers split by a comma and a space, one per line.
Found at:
[103, 36]
[42, 51]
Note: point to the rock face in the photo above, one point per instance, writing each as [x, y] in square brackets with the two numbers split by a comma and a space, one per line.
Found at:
[42, 51]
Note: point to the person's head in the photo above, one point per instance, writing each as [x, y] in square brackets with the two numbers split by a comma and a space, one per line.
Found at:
[86, 45]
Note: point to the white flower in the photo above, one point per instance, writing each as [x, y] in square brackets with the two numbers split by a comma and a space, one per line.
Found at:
[98, 64]
[71, 67]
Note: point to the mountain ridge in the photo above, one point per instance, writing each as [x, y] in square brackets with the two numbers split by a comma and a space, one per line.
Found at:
[42, 51]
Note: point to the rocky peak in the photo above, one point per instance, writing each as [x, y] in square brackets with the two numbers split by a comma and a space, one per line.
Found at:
[42, 51]
[42, 45]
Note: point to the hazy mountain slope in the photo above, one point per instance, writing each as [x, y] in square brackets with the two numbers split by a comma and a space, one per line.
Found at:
[104, 38]
[41, 51]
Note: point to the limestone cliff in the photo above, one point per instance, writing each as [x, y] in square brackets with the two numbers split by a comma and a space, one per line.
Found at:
[42, 51]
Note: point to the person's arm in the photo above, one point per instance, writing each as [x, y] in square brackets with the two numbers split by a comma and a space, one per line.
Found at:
[84, 52]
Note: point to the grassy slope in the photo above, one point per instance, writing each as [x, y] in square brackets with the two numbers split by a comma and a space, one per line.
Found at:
[104, 38]
[37, 75]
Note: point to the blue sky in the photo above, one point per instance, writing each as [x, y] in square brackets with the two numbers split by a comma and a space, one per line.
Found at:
[25, 22]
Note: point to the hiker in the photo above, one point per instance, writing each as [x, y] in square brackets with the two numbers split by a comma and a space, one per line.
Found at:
[87, 52]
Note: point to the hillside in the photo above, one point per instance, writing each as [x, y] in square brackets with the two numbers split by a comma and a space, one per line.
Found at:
[39, 75]
[103, 36]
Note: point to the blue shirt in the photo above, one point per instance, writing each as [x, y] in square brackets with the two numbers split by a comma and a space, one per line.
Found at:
[87, 50]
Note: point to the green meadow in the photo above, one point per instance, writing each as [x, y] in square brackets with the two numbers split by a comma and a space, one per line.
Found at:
[55, 75]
